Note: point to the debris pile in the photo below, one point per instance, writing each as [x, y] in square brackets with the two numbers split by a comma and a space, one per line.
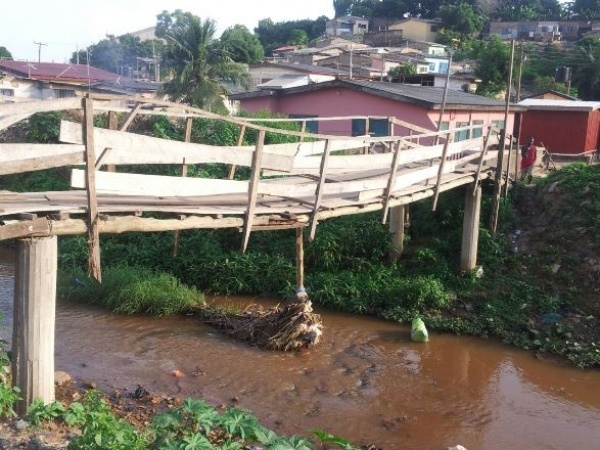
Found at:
[289, 327]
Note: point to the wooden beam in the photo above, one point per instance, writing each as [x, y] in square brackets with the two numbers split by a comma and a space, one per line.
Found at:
[25, 228]
[113, 124]
[319, 193]
[131, 117]
[28, 108]
[253, 189]
[486, 142]
[9, 121]
[94, 267]
[20, 158]
[299, 258]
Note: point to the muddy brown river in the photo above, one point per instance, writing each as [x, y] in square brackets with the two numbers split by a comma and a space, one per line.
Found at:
[365, 381]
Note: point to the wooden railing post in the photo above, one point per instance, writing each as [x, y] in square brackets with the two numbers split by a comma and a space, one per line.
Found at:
[319, 192]
[94, 268]
[253, 188]
[240, 141]
[441, 171]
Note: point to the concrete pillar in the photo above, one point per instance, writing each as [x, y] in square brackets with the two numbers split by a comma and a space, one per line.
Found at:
[34, 319]
[470, 235]
[397, 222]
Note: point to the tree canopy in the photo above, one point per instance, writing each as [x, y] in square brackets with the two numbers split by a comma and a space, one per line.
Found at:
[199, 62]
[241, 45]
[273, 35]
[4, 53]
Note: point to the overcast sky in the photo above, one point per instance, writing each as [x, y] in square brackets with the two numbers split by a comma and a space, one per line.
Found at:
[65, 25]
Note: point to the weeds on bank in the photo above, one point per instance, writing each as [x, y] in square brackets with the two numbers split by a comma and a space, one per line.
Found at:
[8, 395]
[194, 425]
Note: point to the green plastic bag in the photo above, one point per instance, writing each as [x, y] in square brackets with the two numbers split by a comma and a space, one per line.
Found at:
[419, 331]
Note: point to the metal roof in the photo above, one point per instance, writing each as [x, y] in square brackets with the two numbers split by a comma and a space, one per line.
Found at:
[559, 105]
[58, 72]
[424, 96]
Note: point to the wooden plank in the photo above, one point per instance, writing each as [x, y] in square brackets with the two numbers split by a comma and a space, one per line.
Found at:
[131, 117]
[9, 121]
[157, 185]
[240, 141]
[319, 193]
[94, 267]
[130, 148]
[19, 158]
[257, 158]
[32, 107]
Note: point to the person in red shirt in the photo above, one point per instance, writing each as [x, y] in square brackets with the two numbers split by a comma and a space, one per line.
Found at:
[528, 158]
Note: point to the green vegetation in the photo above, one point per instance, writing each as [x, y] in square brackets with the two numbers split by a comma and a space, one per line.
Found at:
[8, 394]
[193, 425]
[132, 290]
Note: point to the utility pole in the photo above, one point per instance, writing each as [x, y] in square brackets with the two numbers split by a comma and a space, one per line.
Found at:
[499, 167]
[521, 61]
[39, 44]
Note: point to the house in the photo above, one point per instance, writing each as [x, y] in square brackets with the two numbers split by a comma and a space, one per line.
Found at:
[415, 104]
[267, 71]
[550, 94]
[554, 30]
[24, 80]
[347, 26]
[294, 80]
[423, 30]
[563, 127]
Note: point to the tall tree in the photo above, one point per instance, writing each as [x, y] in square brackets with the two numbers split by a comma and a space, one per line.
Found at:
[587, 9]
[586, 68]
[492, 65]
[4, 53]
[242, 45]
[342, 7]
[273, 35]
[199, 63]
[461, 19]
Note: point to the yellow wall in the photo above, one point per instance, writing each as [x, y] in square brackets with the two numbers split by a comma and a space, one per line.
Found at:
[416, 30]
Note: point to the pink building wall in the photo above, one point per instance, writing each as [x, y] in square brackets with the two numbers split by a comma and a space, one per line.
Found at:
[336, 101]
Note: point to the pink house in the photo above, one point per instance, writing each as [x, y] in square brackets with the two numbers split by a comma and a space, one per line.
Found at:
[418, 105]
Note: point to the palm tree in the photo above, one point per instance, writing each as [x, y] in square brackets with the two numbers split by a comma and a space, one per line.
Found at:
[199, 64]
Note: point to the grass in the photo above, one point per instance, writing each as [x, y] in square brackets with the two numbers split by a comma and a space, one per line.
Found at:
[131, 290]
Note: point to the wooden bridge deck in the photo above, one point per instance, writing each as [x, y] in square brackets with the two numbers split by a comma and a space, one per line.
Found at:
[290, 185]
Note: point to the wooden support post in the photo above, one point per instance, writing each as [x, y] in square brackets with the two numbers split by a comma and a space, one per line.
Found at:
[184, 169]
[397, 222]
[240, 141]
[510, 150]
[486, 141]
[300, 258]
[391, 180]
[319, 192]
[92, 210]
[113, 123]
[440, 172]
[253, 188]
[33, 320]
[497, 185]
[470, 236]
[303, 130]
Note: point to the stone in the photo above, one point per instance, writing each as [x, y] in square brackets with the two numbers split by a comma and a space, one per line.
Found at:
[61, 378]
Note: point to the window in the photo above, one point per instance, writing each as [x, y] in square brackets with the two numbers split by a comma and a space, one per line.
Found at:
[443, 67]
[434, 28]
[461, 135]
[498, 124]
[312, 126]
[377, 127]
[477, 132]
[64, 93]
[423, 69]
[7, 92]
[432, 67]
[444, 126]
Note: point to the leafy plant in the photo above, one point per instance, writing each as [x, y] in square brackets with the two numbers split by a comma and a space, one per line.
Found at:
[39, 411]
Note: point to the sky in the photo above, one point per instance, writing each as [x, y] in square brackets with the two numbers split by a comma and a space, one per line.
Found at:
[67, 25]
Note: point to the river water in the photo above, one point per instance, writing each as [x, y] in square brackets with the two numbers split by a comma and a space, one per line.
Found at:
[365, 381]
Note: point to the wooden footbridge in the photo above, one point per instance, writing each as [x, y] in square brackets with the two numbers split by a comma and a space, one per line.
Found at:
[292, 185]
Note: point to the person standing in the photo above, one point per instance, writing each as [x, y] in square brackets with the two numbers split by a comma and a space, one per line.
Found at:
[528, 158]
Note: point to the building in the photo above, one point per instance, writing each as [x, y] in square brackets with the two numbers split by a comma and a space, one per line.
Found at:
[550, 94]
[347, 26]
[415, 104]
[423, 30]
[25, 80]
[563, 127]
[553, 30]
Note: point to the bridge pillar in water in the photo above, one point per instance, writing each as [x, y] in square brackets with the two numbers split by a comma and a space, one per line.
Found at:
[34, 316]
[470, 235]
[397, 223]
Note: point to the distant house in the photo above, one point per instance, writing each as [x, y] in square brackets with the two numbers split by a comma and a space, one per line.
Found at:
[417, 29]
[267, 71]
[23, 80]
[347, 26]
[548, 30]
[415, 104]
[550, 94]
[563, 127]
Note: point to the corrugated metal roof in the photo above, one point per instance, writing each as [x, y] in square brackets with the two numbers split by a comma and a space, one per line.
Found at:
[559, 105]
[58, 72]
